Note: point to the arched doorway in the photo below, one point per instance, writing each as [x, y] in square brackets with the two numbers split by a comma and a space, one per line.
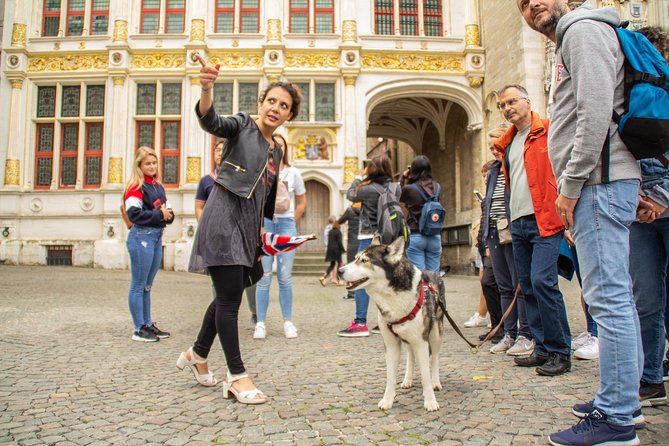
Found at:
[315, 217]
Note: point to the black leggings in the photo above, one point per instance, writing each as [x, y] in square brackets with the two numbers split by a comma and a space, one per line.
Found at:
[221, 315]
[333, 263]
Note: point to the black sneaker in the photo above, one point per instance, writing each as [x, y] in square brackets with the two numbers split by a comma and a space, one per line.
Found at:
[652, 394]
[376, 330]
[594, 429]
[157, 331]
[581, 410]
[554, 366]
[665, 370]
[144, 335]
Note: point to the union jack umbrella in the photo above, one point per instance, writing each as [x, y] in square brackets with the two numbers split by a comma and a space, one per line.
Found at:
[275, 244]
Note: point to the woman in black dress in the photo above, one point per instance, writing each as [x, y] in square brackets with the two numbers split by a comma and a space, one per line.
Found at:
[229, 228]
[333, 254]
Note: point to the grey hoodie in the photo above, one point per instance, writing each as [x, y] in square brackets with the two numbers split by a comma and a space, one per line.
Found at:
[588, 85]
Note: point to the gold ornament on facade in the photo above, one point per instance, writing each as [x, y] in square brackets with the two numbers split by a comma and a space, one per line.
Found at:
[118, 80]
[195, 81]
[349, 80]
[16, 83]
[350, 168]
[12, 170]
[274, 30]
[472, 36]
[193, 169]
[475, 82]
[349, 31]
[18, 34]
[82, 45]
[158, 60]
[197, 30]
[238, 59]
[411, 62]
[68, 63]
[115, 174]
[120, 31]
[312, 148]
[304, 59]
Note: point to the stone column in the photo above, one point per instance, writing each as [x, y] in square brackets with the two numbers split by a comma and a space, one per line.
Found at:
[350, 69]
[196, 138]
[117, 140]
[350, 140]
[14, 142]
[474, 53]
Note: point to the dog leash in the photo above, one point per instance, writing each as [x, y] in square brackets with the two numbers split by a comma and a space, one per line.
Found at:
[476, 347]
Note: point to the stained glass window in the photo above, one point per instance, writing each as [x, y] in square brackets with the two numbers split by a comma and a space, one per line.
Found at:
[95, 100]
[432, 17]
[43, 177]
[223, 98]
[409, 17]
[70, 137]
[324, 12]
[93, 155]
[384, 17]
[170, 135]
[46, 102]
[171, 99]
[45, 138]
[146, 99]
[68, 171]
[174, 16]
[93, 170]
[325, 102]
[248, 97]
[94, 137]
[249, 22]
[75, 17]
[304, 106]
[150, 16]
[70, 101]
[51, 20]
[170, 169]
[68, 156]
[145, 134]
[299, 16]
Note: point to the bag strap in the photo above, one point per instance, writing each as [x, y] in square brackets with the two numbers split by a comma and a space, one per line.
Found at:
[424, 195]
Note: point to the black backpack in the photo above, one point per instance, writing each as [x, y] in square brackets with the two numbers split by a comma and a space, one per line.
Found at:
[389, 216]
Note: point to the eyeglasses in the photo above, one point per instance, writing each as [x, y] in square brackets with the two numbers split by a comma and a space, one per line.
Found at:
[512, 101]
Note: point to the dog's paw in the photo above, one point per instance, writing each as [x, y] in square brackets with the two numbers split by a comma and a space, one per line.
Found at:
[407, 384]
[436, 385]
[385, 404]
[431, 406]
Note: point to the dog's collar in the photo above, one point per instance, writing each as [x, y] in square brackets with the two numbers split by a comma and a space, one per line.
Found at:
[421, 299]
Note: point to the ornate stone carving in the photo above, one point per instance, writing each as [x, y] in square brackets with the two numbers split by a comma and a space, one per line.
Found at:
[406, 61]
[116, 58]
[274, 30]
[195, 80]
[115, 174]
[87, 204]
[158, 60]
[36, 205]
[193, 169]
[472, 36]
[120, 31]
[349, 31]
[82, 45]
[118, 80]
[238, 59]
[12, 172]
[16, 83]
[13, 61]
[350, 168]
[197, 30]
[68, 63]
[312, 59]
[475, 82]
[349, 80]
[18, 34]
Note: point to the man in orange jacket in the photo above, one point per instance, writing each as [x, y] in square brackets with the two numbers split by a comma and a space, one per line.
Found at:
[536, 230]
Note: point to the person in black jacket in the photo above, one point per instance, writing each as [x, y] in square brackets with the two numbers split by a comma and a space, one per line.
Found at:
[230, 224]
[333, 255]
[352, 216]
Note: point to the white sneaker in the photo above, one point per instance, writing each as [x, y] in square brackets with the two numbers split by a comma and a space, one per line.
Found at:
[290, 330]
[521, 347]
[589, 350]
[579, 340]
[476, 321]
[260, 332]
[503, 345]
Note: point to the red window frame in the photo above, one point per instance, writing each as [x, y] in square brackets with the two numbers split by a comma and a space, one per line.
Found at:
[68, 154]
[436, 14]
[73, 14]
[97, 13]
[171, 151]
[39, 155]
[222, 10]
[409, 13]
[293, 11]
[143, 12]
[323, 11]
[384, 12]
[46, 14]
[170, 11]
[93, 153]
[255, 10]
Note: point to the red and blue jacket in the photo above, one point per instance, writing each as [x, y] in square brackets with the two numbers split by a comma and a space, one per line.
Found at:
[143, 204]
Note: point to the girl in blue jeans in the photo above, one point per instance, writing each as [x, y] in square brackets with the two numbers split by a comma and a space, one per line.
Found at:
[149, 211]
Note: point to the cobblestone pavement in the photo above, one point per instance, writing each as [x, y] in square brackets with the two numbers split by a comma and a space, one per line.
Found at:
[70, 375]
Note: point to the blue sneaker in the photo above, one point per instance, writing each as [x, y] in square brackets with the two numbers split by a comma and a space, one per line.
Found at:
[594, 430]
[583, 409]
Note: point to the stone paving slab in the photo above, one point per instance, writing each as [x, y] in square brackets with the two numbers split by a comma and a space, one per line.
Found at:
[70, 374]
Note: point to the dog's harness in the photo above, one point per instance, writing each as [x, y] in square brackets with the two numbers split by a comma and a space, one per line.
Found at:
[425, 285]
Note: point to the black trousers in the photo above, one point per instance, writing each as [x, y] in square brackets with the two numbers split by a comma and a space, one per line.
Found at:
[221, 315]
[491, 292]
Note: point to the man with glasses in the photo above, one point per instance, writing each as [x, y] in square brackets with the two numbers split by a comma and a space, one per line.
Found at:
[598, 182]
[536, 231]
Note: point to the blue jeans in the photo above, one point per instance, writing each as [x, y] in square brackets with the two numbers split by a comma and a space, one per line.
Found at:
[284, 271]
[424, 251]
[601, 217]
[591, 326]
[535, 258]
[361, 296]
[504, 269]
[145, 246]
[649, 245]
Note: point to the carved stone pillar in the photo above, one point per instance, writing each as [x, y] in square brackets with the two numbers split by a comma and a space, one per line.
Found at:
[118, 119]
[196, 138]
[350, 139]
[14, 143]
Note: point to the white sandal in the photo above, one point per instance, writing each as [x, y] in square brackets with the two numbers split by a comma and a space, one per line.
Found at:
[244, 396]
[207, 380]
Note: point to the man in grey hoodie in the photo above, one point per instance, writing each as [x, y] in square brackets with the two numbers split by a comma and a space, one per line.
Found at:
[598, 181]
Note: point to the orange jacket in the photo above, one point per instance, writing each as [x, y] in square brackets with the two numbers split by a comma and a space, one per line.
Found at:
[543, 187]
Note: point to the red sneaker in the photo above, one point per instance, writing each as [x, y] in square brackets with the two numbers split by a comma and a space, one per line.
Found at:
[355, 330]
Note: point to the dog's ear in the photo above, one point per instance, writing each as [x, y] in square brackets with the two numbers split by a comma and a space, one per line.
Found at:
[376, 240]
[396, 249]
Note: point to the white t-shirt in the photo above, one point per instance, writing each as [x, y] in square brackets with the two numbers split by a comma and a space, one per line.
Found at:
[292, 176]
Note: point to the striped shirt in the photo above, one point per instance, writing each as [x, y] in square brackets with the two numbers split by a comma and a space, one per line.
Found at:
[497, 209]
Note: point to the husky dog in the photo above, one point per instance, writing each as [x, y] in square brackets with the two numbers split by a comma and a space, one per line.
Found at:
[396, 287]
